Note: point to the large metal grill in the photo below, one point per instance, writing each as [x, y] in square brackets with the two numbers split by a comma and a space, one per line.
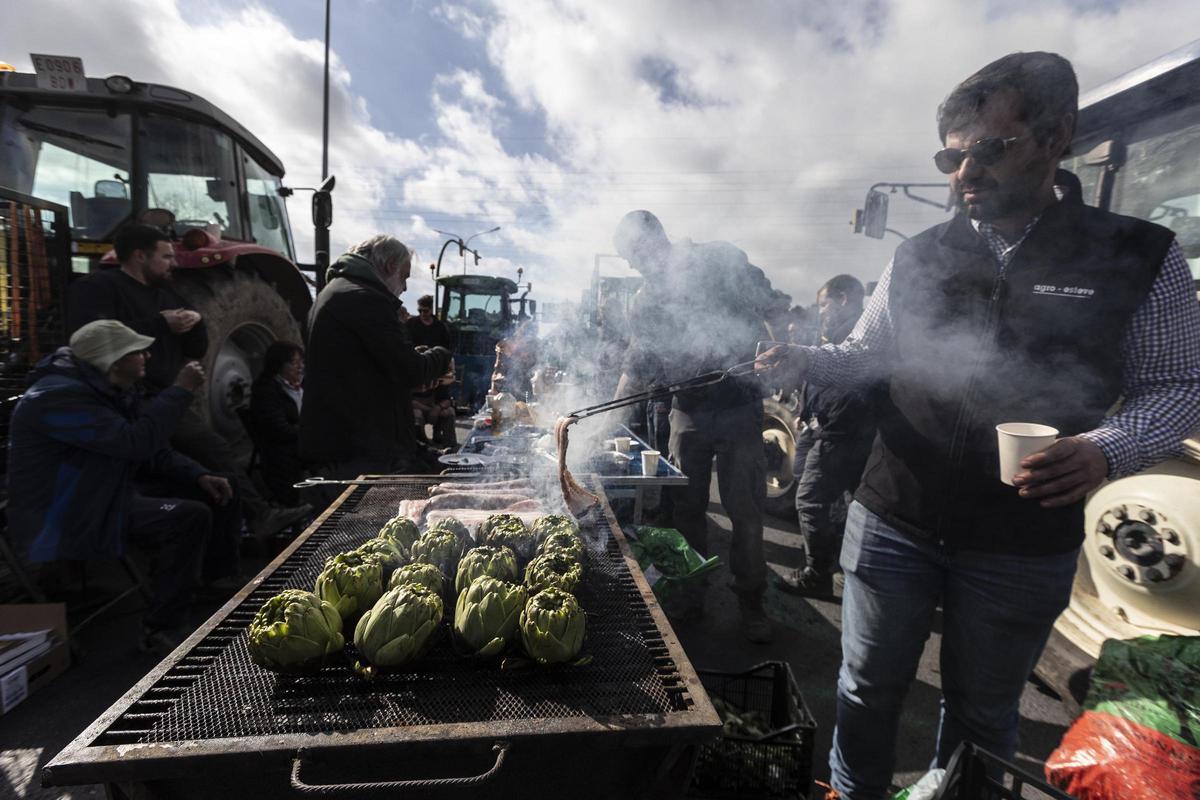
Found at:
[209, 690]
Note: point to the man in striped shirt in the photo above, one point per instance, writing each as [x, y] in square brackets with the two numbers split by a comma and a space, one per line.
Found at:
[1023, 308]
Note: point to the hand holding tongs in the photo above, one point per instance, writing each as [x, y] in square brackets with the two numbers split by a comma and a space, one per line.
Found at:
[705, 379]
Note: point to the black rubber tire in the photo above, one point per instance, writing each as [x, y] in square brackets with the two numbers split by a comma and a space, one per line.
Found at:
[234, 301]
[778, 416]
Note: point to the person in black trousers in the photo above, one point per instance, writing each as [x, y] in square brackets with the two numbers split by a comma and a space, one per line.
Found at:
[841, 428]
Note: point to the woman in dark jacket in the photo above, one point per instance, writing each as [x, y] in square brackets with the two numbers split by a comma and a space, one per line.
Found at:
[275, 404]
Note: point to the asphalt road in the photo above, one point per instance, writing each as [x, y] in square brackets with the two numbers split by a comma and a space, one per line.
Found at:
[806, 637]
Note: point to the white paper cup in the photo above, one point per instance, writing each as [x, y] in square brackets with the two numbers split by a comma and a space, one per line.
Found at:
[650, 462]
[1018, 440]
[622, 444]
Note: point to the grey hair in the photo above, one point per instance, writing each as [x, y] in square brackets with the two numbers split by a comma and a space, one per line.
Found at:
[383, 251]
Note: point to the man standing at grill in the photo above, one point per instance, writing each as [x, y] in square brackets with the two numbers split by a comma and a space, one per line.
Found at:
[703, 307]
[1027, 308]
[362, 368]
[841, 431]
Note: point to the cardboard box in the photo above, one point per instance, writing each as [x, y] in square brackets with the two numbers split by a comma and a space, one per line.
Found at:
[16, 618]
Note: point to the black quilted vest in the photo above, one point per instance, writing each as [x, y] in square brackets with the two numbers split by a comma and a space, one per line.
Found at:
[976, 346]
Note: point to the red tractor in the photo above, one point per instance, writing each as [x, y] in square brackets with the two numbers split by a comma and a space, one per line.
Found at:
[113, 151]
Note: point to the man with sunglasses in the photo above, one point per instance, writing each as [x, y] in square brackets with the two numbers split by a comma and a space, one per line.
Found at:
[1023, 308]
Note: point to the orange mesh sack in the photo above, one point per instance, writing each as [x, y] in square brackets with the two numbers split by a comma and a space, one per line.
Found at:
[1137, 737]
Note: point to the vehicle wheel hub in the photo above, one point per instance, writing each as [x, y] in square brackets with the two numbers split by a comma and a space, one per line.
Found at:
[1138, 544]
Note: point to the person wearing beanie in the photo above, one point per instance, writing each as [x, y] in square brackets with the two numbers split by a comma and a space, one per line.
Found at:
[79, 437]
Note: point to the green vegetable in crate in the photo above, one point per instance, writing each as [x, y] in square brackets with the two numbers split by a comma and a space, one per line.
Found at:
[552, 627]
[486, 615]
[454, 526]
[295, 632]
[426, 575]
[507, 530]
[398, 628]
[402, 530]
[495, 562]
[551, 523]
[351, 583]
[553, 568]
[439, 547]
[390, 554]
[563, 541]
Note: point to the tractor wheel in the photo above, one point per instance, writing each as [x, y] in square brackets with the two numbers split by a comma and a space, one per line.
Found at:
[1139, 572]
[244, 316]
[779, 444]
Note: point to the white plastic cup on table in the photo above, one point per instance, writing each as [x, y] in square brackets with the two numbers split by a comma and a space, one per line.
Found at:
[622, 444]
[1017, 441]
[650, 462]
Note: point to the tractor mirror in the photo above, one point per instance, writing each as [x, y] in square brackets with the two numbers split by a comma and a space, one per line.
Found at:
[322, 209]
[533, 308]
[874, 220]
[110, 189]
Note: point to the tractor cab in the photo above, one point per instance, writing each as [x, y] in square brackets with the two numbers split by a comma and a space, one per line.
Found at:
[118, 148]
[478, 309]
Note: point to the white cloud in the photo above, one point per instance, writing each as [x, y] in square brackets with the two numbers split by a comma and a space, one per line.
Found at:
[761, 123]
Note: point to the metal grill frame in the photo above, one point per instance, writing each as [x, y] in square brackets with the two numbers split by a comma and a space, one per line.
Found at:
[83, 761]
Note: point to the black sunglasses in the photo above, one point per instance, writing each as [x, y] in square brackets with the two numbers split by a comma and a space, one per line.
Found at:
[985, 152]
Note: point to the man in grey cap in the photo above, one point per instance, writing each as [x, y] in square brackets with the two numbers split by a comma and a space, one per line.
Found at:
[79, 436]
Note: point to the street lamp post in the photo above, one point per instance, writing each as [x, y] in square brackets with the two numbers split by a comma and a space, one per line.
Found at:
[454, 238]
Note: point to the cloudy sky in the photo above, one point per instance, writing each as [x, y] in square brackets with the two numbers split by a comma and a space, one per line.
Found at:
[760, 122]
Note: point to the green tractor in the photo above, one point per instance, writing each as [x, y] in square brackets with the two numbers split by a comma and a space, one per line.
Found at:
[480, 310]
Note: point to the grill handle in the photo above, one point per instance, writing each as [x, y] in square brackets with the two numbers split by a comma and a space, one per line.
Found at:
[334, 789]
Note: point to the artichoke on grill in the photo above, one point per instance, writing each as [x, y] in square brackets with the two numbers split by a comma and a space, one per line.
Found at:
[295, 632]
[426, 575]
[486, 615]
[553, 568]
[398, 628]
[439, 547]
[552, 627]
[390, 554]
[402, 530]
[551, 523]
[457, 528]
[495, 562]
[562, 541]
[351, 583]
[507, 530]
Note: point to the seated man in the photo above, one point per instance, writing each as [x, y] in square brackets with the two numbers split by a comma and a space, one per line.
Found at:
[275, 403]
[78, 438]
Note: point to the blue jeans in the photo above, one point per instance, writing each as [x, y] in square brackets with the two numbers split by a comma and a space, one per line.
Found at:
[997, 612]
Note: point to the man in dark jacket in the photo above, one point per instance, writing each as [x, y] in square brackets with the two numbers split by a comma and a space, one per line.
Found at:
[703, 307]
[1023, 308]
[78, 440]
[841, 429]
[139, 294]
[362, 368]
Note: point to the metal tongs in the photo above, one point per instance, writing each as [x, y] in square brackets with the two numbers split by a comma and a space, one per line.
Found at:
[317, 480]
[654, 392]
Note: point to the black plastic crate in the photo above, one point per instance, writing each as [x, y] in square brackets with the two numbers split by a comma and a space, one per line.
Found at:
[777, 764]
[976, 774]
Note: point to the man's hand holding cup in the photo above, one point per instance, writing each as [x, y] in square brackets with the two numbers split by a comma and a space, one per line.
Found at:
[191, 377]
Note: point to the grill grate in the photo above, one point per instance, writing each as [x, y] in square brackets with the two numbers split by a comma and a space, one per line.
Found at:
[215, 691]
